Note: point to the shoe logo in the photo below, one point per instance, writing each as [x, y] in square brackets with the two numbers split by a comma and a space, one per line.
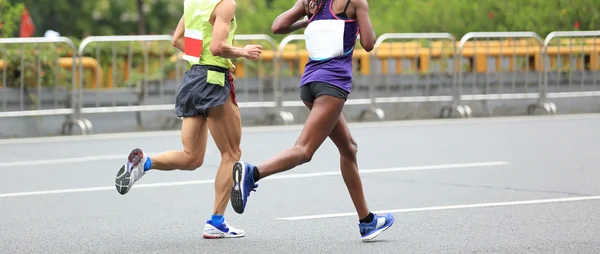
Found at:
[366, 229]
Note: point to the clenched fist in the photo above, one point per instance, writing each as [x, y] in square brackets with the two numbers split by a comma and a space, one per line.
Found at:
[253, 51]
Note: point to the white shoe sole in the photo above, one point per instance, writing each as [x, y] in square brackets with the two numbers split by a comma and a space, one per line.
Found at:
[377, 232]
[239, 174]
[123, 181]
[214, 233]
[219, 236]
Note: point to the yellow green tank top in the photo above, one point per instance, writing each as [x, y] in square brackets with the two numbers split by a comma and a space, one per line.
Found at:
[198, 33]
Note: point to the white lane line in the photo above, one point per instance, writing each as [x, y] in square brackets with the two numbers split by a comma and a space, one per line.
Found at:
[107, 188]
[61, 161]
[449, 207]
[274, 177]
[71, 160]
[253, 129]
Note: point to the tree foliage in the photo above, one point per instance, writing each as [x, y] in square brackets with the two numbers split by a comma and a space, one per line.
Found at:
[9, 18]
[117, 17]
[102, 17]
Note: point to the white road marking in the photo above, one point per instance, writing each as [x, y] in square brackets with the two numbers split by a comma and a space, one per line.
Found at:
[274, 177]
[62, 161]
[107, 188]
[449, 207]
[72, 160]
[253, 129]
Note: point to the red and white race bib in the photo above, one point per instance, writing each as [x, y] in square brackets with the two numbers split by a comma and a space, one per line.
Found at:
[192, 45]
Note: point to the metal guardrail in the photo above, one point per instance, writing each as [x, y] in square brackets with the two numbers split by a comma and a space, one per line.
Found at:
[286, 116]
[142, 91]
[21, 73]
[420, 54]
[243, 90]
[139, 91]
[500, 94]
[568, 75]
[262, 102]
[543, 76]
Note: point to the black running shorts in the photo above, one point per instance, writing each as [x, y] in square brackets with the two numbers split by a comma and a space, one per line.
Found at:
[309, 92]
[203, 87]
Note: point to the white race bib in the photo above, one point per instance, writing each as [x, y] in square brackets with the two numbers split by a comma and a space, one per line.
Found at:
[325, 39]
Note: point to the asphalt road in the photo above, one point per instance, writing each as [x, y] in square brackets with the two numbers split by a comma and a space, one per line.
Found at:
[518, 185]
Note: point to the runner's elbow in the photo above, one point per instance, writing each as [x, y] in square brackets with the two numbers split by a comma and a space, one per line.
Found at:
[368, 45]
[216, 49]
[276, 28]
[367, 41]
[176, 43]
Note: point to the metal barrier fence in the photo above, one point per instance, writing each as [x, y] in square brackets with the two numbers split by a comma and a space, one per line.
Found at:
[113, 74]
[265, 77]
[151, 86]
[23, 90]
[521, 79]
[420, 84]
[565, 71]
[287, 90]
[157, 87]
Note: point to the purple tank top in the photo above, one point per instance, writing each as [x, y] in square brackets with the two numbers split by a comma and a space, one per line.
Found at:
[330, 42]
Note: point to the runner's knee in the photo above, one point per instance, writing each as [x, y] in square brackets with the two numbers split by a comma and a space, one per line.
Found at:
[350, 150]
[233, 154]
[307, 155]
[193, 162]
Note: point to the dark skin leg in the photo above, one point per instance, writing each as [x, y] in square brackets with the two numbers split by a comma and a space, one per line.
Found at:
[321, 121]
[325, 120]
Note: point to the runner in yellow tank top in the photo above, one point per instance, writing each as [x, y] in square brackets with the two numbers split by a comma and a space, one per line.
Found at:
[205, 100]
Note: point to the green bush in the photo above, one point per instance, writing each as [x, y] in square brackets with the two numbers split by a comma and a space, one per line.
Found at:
[33, 64]
[29, 64]
[9, 18]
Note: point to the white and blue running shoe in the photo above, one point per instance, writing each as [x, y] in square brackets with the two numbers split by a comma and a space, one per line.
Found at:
[224, 230]
[131, 172]
[368, 231]
[243, 179]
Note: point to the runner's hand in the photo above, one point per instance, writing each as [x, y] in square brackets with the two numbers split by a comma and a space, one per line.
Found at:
[253, 51]
[232, 67]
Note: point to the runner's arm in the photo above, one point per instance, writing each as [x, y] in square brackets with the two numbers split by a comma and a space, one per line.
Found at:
[289, 21]
[178, 35]
[224, 13]
[367, 33]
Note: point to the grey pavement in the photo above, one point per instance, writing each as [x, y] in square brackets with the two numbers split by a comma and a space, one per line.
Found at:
[544, 158]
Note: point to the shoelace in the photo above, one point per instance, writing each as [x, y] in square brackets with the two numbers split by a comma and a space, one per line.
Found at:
[253, 189]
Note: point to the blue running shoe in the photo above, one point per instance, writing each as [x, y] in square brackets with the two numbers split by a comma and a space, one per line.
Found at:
[243, 184]
[368, 231]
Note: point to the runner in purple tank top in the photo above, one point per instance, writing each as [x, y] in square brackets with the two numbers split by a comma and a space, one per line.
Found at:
[330, 40]
[331, 29]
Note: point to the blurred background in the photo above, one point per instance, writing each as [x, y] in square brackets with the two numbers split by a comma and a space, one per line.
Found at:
[79, 19]
[78, 66]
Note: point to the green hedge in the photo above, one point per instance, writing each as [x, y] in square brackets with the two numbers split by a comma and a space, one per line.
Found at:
[9, 18]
